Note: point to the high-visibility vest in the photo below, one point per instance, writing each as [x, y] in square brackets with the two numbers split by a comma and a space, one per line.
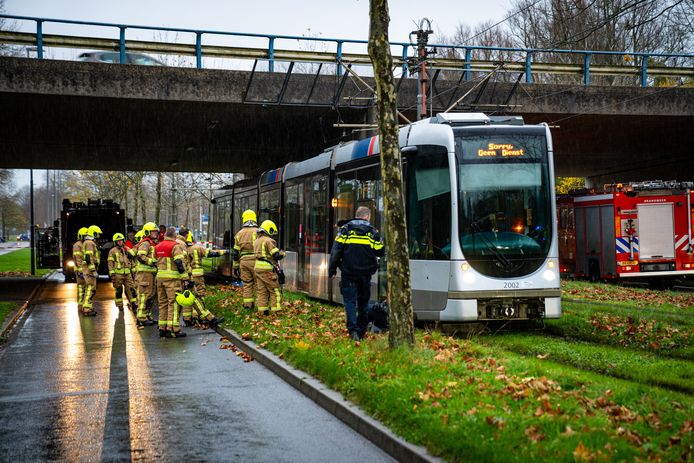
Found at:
[166, 253]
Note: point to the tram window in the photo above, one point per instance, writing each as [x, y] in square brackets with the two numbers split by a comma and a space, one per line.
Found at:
[429, 204]
[359, 188]
[315, 227]
[241, 204]
[270, 206]
[293, 204]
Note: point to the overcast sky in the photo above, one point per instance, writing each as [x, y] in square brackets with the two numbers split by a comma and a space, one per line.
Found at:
[344, 19]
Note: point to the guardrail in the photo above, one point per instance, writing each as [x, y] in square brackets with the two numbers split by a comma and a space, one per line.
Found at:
[528, 65]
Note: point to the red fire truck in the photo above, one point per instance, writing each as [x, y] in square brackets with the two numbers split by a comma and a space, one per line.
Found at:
[631, 230]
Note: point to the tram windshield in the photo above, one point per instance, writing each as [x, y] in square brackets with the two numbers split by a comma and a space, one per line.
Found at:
[505, 199]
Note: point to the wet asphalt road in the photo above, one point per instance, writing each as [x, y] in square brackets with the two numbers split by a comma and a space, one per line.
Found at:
[96, 389]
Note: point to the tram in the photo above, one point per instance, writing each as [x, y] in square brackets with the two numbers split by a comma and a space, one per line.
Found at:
[481, 216]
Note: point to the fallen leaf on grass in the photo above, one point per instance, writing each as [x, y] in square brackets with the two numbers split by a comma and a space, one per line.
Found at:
[497, 422]
[582, 453]
[542, 356]
[568, 431]
[533, 433]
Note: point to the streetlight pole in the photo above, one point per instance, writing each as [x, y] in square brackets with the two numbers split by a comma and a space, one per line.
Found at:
[31, 219]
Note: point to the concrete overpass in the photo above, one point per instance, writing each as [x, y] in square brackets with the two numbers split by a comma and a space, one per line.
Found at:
[75, 115]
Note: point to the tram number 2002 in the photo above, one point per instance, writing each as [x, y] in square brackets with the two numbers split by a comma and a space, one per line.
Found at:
[511, 285]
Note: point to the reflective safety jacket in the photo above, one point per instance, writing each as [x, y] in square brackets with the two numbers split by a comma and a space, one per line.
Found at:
[118, 262]
[266, 252]
[90, 251]
[77, 256]
[195, 255]
[146, 262]
[355, 250]
[244, 242]
[167, 252]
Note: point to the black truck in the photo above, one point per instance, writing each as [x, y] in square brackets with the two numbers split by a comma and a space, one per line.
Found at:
[103, 213]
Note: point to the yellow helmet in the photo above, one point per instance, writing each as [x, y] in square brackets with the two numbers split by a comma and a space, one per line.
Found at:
[94, 231]
[139, 235]
[185, 299]
[248, 215]
[82, 232]
[118, 236]
[269, 226]
[149, 227]
[189, 238]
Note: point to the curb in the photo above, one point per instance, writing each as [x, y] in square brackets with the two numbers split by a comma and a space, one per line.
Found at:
[333, 402]
[9, 325]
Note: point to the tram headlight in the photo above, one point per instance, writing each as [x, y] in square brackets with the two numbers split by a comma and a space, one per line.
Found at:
[550, 273]
[468, 276]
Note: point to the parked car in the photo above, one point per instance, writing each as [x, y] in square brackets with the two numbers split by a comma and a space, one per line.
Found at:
[23, 237]
[114, 57]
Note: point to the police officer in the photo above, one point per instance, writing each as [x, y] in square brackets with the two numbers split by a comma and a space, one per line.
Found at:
[244, 256]
[267, 255]
[355, 251]
[145, 277]
[90, 268]
[171, 272]
[78, 260]
[119, 271]
[197, 276]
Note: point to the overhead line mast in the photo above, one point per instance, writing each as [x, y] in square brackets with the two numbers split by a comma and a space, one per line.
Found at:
[417, 64]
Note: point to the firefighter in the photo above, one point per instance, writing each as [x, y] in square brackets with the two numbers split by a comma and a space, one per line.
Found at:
[186, 310]
[197, 276]
[171, 272]
[90, 268]
[78, 259]
[244, 257]
[145, 276]
[266, 257]
[119, 271]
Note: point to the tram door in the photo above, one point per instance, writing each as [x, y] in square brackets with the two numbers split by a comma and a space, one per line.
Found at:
[305, 234]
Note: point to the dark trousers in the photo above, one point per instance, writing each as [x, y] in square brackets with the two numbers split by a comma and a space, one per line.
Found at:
[355, 297]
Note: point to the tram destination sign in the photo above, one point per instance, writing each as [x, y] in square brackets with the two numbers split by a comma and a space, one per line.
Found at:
[500, 150]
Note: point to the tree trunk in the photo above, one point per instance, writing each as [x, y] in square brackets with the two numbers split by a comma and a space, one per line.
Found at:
[136, 199]
[157, 208]
[141, 193]
[401, 331]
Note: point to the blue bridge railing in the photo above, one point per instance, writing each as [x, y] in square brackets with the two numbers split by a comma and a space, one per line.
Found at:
[465, 52]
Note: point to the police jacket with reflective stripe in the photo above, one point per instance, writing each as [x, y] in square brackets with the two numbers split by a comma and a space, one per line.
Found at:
[356, 247]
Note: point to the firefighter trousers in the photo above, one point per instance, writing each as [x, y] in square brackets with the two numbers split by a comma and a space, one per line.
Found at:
[89, 291]
[200, 291]
[123, 286]
[268, 289]
[81, 286]
[247, 269]
[146, 289]
[169, 315]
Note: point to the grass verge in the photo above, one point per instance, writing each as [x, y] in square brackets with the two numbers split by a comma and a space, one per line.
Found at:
[6, 308]
[631, 364]
[18, 263]
[467, 401]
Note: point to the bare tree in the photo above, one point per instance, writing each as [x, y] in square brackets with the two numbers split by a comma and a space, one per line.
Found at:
[399, 294]
[5, 25]
[655, 26]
